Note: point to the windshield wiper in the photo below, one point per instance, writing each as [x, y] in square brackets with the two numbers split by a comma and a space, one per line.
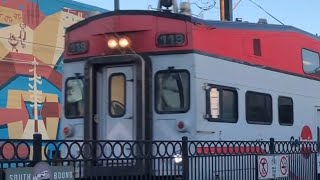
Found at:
[316, 71]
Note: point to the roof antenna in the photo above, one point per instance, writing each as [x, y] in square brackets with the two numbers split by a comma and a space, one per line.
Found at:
[116, 5]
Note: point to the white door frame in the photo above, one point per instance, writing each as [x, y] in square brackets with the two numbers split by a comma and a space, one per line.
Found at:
[125, 124]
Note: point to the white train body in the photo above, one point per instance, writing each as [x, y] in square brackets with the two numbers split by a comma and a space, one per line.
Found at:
[206, 71]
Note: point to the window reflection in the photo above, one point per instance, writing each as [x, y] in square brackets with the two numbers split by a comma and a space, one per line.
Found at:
[222, 103]
[117, 95]
[228, 105]
[74, 106]
[258, 107]
[285, 110]
[310, 61]
[172, 93]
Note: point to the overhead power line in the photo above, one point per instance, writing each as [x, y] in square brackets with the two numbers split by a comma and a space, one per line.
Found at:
[205, 5]
[235, 6]
[266, 12]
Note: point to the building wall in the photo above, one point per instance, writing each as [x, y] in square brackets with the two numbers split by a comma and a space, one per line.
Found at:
[31, 64]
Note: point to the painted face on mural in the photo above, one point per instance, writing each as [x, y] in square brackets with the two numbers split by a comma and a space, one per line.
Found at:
[74, 90]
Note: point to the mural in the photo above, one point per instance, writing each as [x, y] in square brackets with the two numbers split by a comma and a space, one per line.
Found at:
[31, 64]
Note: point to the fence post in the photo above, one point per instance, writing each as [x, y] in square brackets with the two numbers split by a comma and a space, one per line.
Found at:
[272, 148]
[37, 147]
[316, 154]
[185, 158]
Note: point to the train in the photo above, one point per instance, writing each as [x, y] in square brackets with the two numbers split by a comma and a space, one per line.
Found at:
[153, 75]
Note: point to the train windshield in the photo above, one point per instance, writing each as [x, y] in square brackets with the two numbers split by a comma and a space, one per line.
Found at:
[74, 103]
[172, 91]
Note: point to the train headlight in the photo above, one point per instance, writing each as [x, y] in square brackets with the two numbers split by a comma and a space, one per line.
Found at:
[177, 158]
[124, 42]
[112, 43]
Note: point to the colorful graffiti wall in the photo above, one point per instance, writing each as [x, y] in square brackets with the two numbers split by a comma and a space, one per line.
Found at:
[31, 64]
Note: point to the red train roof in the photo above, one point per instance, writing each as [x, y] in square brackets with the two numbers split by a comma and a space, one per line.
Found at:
[276, 47]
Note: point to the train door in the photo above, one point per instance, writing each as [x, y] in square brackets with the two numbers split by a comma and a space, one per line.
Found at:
[115, 89]
[317, 119]
[115, 96]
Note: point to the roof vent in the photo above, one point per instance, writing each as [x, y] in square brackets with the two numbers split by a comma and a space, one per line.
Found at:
[239, 19]
[263, 21]
[185, 8]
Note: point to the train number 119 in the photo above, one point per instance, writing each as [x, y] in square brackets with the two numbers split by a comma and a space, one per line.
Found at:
[165, 40]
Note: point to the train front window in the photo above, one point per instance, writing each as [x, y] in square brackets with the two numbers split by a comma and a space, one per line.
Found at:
[74, 102]
[172, 91]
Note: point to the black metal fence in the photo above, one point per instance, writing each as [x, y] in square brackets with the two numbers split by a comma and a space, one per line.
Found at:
[185, 159]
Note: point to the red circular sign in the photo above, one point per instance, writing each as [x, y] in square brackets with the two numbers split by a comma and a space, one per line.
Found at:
[263, 167]
[284, 165]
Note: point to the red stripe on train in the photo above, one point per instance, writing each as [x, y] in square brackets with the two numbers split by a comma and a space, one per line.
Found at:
[230, 150]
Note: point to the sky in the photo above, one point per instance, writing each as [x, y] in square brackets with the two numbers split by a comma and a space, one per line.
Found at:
[303, 14]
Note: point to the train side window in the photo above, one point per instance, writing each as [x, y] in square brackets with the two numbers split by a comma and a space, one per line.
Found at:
[74, 102]
[117, 95]
[310, 61]
[257, 47]
[172, 91]
[258, 108]
[221, 104]
[285, 108]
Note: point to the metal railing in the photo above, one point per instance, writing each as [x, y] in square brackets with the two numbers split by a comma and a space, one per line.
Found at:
[185, 159]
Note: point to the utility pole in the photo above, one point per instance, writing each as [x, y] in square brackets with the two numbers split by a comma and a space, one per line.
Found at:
[226, 11]
[116, 5]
